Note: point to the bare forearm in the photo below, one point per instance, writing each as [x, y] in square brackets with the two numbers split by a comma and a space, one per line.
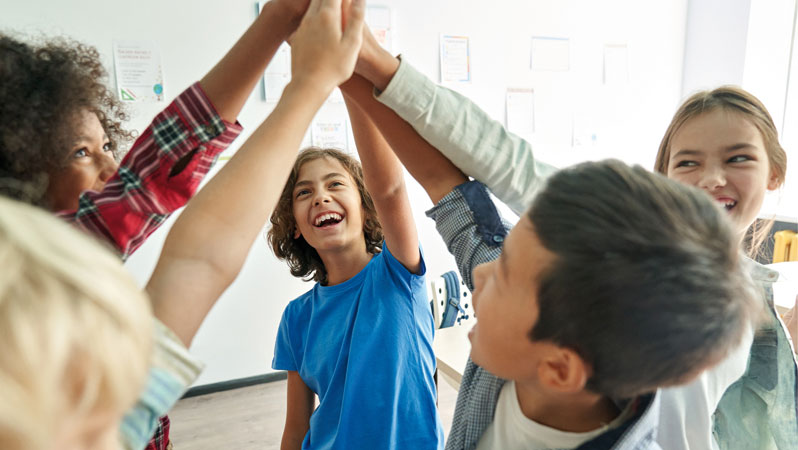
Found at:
[382, 171]
[215, 232]
[375, 63]
[385, 179]
[300, 403]
[230, 82]
[425, 163]
[292, 439]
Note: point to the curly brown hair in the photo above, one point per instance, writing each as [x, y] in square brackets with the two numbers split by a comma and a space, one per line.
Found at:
[302, 259]
[44, 87]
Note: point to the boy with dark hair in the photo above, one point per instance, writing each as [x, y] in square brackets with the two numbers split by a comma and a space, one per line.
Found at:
[614, 283]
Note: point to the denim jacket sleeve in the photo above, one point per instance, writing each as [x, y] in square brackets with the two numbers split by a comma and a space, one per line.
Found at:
[478, 145]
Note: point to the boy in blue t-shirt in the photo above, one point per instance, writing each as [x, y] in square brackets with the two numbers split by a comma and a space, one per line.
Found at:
[361, 339]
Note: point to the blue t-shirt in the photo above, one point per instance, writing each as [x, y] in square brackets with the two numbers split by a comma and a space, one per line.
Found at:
[365, 348]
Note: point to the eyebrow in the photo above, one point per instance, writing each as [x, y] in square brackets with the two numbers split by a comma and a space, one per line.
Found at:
[326, 177]
[731, 148]
[81, 139]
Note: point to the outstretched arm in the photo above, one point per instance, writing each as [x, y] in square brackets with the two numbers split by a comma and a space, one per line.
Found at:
[436, 174]
[230, 81]
[384, 179]
[209, 242]
[165, 166]
[476, 143]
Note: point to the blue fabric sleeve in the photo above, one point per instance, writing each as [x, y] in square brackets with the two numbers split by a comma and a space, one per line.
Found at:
[395, 266]
[283, 351]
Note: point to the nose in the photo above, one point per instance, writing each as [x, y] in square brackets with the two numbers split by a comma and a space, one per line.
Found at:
[711, 178]
[106, 166]
[320, 197]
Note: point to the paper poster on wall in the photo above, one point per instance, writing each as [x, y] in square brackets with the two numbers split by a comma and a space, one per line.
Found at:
[550, 53]
[520, 104]
[139, 77]
[378, 18]
[329, 132]
[277, 74]
[455, 59]
[616, 64]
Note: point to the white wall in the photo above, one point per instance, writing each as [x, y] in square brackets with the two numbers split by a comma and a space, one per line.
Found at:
[715, 44]
[238, 336]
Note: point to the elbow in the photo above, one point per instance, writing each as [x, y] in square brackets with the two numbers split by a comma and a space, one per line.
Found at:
[386, 192]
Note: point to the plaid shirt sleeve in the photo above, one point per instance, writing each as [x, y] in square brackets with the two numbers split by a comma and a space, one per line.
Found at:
[474, 231]
[139, 197]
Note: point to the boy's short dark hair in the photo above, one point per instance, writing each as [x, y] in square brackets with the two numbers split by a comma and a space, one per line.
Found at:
[302, 259]
[647, 284]
[44, 87]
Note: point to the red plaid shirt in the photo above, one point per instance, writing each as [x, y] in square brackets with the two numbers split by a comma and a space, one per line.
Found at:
[143, 192]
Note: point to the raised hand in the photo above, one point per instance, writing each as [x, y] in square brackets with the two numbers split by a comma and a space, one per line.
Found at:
[323, 52]
[374, 63]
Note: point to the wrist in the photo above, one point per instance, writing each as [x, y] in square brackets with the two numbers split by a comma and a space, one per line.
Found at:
[379, 68]
[289, 17]
[308, 88]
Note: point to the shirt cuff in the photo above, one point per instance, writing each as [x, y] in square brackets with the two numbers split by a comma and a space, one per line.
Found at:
[409, 93]
[172, 356]
[196, 108]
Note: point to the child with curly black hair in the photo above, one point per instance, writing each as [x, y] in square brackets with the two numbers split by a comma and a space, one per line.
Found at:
[90, 325]
[62, 134]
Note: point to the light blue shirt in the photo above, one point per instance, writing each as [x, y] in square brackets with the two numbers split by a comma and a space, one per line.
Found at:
[365, 348]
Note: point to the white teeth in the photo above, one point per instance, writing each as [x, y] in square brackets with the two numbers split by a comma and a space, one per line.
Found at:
[327, 216]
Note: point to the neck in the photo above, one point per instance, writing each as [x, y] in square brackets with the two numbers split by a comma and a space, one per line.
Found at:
[578, 412]
[343, 264]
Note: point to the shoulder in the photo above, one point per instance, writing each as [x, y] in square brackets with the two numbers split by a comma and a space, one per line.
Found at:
[387, 260]
[300, 305]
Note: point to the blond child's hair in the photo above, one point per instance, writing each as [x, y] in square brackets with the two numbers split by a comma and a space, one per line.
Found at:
[75, 330]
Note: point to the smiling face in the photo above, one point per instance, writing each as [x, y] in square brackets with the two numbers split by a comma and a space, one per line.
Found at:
[506, 305]
[327, 207]
[724, 154]
[88, 166]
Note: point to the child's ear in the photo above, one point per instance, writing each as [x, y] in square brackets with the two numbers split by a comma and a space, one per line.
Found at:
[564, 370]
[297, 233]
[773, 182]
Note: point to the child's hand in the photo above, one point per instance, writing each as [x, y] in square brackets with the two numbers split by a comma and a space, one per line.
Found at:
[322, 53]
[374, 62]
[369, 51]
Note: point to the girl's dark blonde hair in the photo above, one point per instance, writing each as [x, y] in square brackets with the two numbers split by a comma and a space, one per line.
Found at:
[302, 259]
[734, 99]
